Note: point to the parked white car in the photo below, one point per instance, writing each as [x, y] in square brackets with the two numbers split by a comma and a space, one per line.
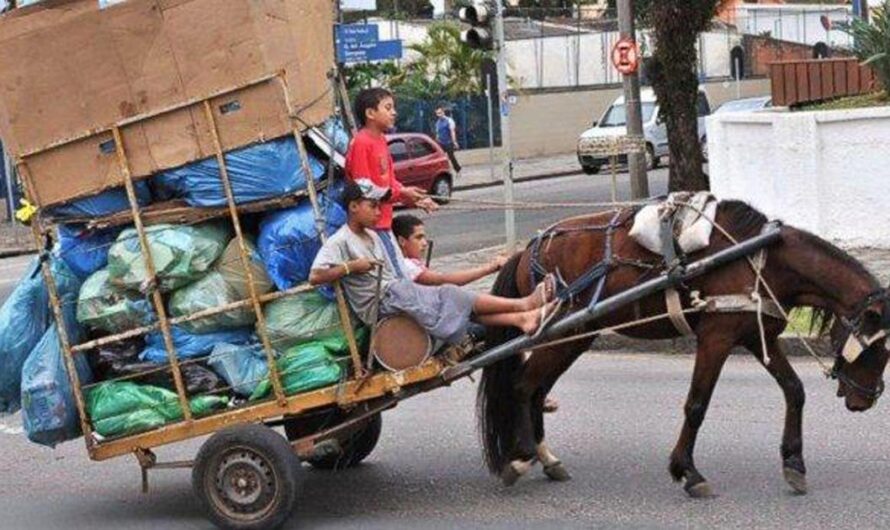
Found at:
[614, 123]
[738, 105]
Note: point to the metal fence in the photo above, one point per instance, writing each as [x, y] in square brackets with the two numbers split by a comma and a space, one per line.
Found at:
[470, 114]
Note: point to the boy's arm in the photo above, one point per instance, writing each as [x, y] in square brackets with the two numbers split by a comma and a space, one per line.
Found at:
[334, 272]
[462, 277]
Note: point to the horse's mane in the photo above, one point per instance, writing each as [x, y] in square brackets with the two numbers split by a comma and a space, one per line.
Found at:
[741, 219]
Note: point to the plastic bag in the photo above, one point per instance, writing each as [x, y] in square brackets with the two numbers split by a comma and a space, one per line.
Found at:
[335, 132]
[209, 292]
[288, 241]
[117, 408]
[229, 265]
[102, 305]
[256, 172]
[24, 319]
[299, 318]
[243, 367]
[105, 203]
[190, 345]
[49, 412]
[303, 368]
[85, 252]
[122, 360]
[181, 254]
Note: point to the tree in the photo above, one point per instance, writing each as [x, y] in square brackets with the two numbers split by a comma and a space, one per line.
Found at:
[872, 42]
[445, 63]
[675, 28]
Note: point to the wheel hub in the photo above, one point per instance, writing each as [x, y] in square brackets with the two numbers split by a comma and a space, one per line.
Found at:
[245, 483]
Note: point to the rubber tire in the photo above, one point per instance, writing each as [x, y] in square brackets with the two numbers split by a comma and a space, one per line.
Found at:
[274, 449]
[449, 186]
[590, 170]
[652, 162]
[355, 449]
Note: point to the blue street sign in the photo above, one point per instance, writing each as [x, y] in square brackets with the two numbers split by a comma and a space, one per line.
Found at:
[359, 43]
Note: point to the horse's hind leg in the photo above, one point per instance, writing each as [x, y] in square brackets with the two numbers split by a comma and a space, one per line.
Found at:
[713, 349]
[793, 466]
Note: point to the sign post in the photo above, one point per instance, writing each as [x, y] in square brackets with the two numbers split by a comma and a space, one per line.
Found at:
[626, 58]
[360, 43]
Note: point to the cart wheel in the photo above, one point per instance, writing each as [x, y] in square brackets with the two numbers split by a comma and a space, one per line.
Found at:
[246, 478]
[356, 447]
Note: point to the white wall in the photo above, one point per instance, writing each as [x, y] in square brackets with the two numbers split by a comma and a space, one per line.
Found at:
[827, 171]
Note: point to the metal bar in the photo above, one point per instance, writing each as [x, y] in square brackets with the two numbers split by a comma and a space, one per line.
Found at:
[56, 306]
[307, 442]
[580, 318]
[152, 276]
[274, 377]
[146, 115]
[10, 186]
[111, 339]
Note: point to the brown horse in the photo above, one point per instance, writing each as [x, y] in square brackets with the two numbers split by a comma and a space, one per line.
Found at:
[802, 269]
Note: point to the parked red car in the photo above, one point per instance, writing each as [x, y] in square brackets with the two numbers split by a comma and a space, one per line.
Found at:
[419, 161]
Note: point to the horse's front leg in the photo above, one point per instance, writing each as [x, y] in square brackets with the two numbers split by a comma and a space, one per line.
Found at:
[793, 467]
[713, 349]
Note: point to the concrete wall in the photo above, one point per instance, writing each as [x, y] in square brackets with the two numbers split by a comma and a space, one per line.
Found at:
[823, 171]
[549, 122]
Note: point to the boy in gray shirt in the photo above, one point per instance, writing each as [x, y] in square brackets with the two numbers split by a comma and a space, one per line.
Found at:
[354, 251]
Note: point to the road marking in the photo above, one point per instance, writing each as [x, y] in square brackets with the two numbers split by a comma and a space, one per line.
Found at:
[15, 431]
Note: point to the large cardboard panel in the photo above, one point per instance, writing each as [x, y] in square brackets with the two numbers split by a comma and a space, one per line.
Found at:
[71, 70]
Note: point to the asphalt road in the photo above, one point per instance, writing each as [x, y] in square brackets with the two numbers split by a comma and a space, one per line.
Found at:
[619, 419]
[11, 271]
[456, 229]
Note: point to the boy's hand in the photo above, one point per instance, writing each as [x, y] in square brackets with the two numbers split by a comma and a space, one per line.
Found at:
[413, 195]
[497, 263]
[362, 265]
[428, 205]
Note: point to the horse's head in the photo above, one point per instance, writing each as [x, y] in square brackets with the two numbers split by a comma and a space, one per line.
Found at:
[861, 352]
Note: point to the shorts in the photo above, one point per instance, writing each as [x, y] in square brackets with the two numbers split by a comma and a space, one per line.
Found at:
[443, 311]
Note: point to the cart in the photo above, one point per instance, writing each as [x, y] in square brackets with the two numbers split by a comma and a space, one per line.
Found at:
[246, 474]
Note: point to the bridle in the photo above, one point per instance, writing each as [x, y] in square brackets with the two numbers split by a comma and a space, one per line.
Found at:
[858, 342]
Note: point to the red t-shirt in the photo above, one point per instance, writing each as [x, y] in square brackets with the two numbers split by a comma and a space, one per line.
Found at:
[368, 157]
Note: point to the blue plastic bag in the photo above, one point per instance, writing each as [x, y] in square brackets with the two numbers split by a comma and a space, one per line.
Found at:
[288, 242]
[335, 132]
[85, 252]
[242, 366]
[189, 345]
[256, 172]
[49, 412]
[24, 319]
[108, 202]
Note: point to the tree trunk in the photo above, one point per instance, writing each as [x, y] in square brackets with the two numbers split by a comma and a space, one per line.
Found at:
[675, 82]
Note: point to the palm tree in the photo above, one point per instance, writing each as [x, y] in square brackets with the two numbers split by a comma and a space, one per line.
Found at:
[444, 61]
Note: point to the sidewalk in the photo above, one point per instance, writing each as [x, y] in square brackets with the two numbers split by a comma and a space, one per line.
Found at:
[15, 239]
[480, 175]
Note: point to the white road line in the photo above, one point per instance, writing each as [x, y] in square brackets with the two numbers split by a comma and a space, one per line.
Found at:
[15, 431]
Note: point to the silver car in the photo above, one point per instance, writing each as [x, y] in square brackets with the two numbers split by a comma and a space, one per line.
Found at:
[614, 123]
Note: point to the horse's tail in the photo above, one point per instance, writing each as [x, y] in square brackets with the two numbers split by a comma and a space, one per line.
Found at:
[495, 406]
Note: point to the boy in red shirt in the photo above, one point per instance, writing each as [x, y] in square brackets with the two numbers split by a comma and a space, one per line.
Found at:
[369, 158]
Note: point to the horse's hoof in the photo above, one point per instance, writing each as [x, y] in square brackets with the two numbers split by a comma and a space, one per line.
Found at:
[510, 475]
[557, 472]
[700, 490]
[795, 479]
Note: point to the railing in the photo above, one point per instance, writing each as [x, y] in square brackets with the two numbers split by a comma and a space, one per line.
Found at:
[813, 80]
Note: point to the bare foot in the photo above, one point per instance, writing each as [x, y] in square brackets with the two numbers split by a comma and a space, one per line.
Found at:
[530, 321]
[544, 293]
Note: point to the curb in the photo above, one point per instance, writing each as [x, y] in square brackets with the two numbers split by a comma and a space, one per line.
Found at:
[530, 178]
[16, 252]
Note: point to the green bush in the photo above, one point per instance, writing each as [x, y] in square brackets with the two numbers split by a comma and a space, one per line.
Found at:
[871, 42]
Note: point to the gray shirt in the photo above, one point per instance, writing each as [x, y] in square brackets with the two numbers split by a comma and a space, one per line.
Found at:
[346, 245]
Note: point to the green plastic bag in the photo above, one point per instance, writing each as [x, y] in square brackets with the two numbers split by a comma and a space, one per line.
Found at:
[229, 265]
[181, 254]
[301, 318]
[117, 408]
[103, 306]
[209, 292]
[303, 368]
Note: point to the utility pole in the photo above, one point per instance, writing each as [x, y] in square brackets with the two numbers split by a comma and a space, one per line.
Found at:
[506, 144]
[636, 162]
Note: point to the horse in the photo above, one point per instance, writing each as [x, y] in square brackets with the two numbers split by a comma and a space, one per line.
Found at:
[800, 268]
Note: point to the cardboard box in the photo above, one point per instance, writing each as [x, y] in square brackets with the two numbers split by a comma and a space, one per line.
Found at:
[72, 71]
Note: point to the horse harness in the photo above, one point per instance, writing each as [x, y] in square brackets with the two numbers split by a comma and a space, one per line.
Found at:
[857, 342]
[673, 262]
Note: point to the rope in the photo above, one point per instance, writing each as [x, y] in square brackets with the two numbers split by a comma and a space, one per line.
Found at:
[483, 204]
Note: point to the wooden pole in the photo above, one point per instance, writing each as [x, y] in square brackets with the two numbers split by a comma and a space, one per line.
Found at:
[152, 275]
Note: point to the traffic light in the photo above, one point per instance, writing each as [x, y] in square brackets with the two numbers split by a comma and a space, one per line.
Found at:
[480, 16]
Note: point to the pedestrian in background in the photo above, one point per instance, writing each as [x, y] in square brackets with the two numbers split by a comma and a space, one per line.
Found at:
[446, 135]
